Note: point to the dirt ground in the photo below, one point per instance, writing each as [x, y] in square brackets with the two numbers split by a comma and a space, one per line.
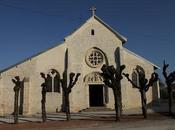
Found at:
[81, 123]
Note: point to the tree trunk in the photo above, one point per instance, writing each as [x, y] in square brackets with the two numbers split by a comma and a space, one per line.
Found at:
[21, 98]
[67, 103]
[117, 105]
[63, 105]
[119, 97]
[43, 107]
[144, 103]
[16, 110]
[170, 99]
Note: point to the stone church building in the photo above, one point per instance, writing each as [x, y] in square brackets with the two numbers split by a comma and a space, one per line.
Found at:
[84, 51]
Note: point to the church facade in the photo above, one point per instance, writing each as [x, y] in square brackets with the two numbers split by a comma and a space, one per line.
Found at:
[84, 51]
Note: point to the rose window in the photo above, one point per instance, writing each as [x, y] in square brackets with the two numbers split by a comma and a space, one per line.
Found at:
[94, 58]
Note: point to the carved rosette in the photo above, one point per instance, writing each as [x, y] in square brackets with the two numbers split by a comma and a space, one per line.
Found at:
[94, 58]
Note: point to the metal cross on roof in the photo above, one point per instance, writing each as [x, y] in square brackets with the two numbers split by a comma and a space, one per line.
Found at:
[93, 9]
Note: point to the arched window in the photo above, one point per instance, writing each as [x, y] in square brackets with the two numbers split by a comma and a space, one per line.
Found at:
[137, 74]
[49, 83]
[53, 81]
[135, 79]
[57, 83]
[140, 70]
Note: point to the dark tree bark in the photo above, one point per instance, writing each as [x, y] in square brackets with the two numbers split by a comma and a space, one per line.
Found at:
[47, 87]
[112, 78]
[106, 93]
[16, 108]
[67, 103]
[43, 100]
[144, 103]
[117, 105]
[170, 100]
[67, 89]
[143, 87]
[17, 87]
[21, 98]
[169, 79]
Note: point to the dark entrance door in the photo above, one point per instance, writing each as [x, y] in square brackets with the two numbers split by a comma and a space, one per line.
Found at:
[96, 95]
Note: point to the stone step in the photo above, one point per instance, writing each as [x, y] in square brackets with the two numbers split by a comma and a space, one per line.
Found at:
[94, 109]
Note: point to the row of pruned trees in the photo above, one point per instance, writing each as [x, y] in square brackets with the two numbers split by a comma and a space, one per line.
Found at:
[112, 78]
[143, 87]
[66, 86]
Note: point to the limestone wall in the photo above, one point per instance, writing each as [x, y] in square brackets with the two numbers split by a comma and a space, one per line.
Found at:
[52, 59]
[131, 96]
[30, 69]
[26, 70]
[78, 45]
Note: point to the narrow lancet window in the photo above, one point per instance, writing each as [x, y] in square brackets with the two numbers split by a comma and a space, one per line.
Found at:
[92, 32]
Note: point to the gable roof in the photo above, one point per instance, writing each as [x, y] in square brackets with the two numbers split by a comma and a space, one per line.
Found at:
[117, 34]
[156, 67]
[122, 38]
[31, 57]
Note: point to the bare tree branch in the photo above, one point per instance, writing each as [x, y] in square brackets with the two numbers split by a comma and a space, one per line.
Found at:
[154, 78]
[127, 76]
[165, 66]
[143, 87]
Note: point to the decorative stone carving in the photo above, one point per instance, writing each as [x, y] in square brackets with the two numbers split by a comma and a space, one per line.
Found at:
[94, 78]
[94, 58]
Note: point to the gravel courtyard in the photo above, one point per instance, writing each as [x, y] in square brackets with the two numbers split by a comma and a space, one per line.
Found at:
[158, 119]
[92, 121]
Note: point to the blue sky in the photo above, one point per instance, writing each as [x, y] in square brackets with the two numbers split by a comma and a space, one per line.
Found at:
[30, 26]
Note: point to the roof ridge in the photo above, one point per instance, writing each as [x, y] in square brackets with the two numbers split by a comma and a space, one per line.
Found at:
[30, 57]
[122, 38]
[141, 57]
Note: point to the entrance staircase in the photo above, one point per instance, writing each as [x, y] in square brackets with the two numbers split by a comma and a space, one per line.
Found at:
[95, 109]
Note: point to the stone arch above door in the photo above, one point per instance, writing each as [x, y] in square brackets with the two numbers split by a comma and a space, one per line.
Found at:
[93, 78]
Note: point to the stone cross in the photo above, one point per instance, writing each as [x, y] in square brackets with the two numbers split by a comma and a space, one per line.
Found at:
[93, 9]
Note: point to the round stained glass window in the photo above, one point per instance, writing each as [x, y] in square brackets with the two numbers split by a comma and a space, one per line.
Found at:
[94, 58]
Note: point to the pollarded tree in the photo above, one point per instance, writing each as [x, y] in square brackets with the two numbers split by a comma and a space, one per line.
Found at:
[44, 86]
[143, 86]
[112, 78]
[47, 87]
[18, 85]
[67, 89]
[169, 79]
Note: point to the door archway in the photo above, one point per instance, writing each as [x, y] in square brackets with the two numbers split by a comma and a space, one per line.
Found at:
[98, 92]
